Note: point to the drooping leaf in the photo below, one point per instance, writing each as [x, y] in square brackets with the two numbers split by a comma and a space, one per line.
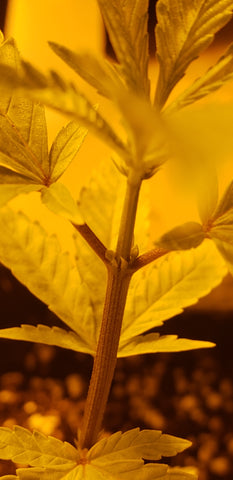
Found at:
[165, 288]
[36, 449]
[183, 237]
[59, 200]
[212, 80]
[46, 335]
[184, 30]
[203, 141]
[154, 343]
[98, 72]
[64, 148]
[126, 22]
[37, 261]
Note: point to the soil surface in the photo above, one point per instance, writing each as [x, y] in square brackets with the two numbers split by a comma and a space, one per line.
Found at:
[186, 394]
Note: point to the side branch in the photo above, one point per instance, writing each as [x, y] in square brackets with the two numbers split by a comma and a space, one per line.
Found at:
[147, 258]
[92, 240]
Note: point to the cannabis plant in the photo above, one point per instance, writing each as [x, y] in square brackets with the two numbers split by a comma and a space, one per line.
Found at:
[116, 288]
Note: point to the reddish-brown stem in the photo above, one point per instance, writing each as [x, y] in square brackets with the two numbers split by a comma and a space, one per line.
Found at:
[119, 274]
[92, 240]
[147, 258]
[106, 354]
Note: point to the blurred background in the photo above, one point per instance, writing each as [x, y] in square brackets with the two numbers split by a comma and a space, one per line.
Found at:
[188, 394]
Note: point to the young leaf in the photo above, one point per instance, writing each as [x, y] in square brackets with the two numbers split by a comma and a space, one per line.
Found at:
[126, 22]
[188, 235]
[166, 288]
[212, 80]
[59, 200]
[23, 143]
[47, 335]
[183, 31]
[36, 449]
[64, 148]
[154, 343]
[37, 261]
[99, 73]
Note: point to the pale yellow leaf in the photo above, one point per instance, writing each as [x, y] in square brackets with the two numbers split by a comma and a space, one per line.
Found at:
[59, 200]
[165, 288]
[183, 237]
[64, 148]
[23, 124]
[35, 449]
[154, 343]
[36, 260]
[47, 335]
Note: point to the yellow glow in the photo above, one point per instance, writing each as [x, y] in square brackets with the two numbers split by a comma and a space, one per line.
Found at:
[77, 24]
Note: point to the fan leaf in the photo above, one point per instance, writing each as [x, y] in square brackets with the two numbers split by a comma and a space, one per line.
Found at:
[167, 287]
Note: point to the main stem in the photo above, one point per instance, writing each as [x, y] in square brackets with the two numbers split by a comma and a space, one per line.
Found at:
[119, 275]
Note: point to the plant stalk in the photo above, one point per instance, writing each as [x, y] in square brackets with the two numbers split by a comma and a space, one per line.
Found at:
[119, 275]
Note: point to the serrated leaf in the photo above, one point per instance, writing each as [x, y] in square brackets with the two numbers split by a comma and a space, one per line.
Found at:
[126, 22]
[167, 287]
[46, 335]
[212, 80]
[98, 72]
[154, 343]
[37, 261]
[183, 31]
[90, 472]
[135, 444]
[59, 200]
[36, 449]
[64, 148]
[183, 237]
[119, 457]
[23, 142]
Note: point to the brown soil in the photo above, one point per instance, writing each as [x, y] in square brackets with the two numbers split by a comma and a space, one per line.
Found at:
[186, 394]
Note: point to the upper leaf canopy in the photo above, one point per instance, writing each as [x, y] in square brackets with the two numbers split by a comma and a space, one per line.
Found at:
[184, 30]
